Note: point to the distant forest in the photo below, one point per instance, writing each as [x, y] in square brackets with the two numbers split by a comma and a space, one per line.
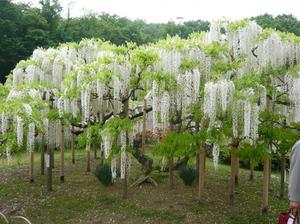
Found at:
[24, 28]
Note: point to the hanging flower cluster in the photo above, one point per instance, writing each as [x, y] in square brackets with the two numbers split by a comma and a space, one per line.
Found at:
[217, 95]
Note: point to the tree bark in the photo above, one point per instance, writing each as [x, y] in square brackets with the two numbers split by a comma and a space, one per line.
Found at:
[43, 156]
[73, 145]
[266, 186]
[201, 174]
[282, 176]
[62, 154]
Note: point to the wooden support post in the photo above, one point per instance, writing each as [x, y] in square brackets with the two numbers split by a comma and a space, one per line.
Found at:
[251, 176]
[282, 176]
[201, 174]
[237, 170]
[62, 154]
[43, 156]
[49, 167]
[31, 165]
[88, 160]
[171, 173]
[266, 187]
[233, 173]
[73, 145]
[144, 125]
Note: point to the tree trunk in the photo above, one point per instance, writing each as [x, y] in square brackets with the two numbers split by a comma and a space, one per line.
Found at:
[251, 176]
[62, 154]
[88, 161]
[282, 177]
[43, 156]
[73, 145]
[201, 174]
[266, 186]
[49, 167]
[31, 165]
[171, 174]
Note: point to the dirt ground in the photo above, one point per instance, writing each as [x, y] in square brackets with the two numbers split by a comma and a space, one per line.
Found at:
[83, 199]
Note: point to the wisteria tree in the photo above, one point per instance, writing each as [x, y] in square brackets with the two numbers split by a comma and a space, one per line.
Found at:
[235, 86]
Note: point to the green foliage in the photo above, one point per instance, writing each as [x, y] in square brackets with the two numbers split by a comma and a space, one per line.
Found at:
[105, 75]
[238, 25]
[283, 23]
[158, 175]
[117, 125]
[103, 173]
[53, 114]
[250, 153]
[165, 81]
[188, 65]
[175, 144]
[188, 174]
[284, 36]
[24, 28]
[247, 81]
[143, 58]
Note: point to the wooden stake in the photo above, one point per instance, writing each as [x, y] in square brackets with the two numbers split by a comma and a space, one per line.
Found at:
[95, 151]
[282, 177]
[73, 145]
[233, 173]
[232, 180]
[171, 174]
[201, 174]
[144, 125]
[49, 167]
[88, 164]
[251, 177]
[237, 170]
[31, 165]
[266, 186]
[62, 154]
[43, 156]
[125, 184]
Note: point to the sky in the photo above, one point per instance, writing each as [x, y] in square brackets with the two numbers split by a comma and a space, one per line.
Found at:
[162, 11]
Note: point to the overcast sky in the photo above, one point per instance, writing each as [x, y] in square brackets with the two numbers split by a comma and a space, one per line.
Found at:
[166, 10]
